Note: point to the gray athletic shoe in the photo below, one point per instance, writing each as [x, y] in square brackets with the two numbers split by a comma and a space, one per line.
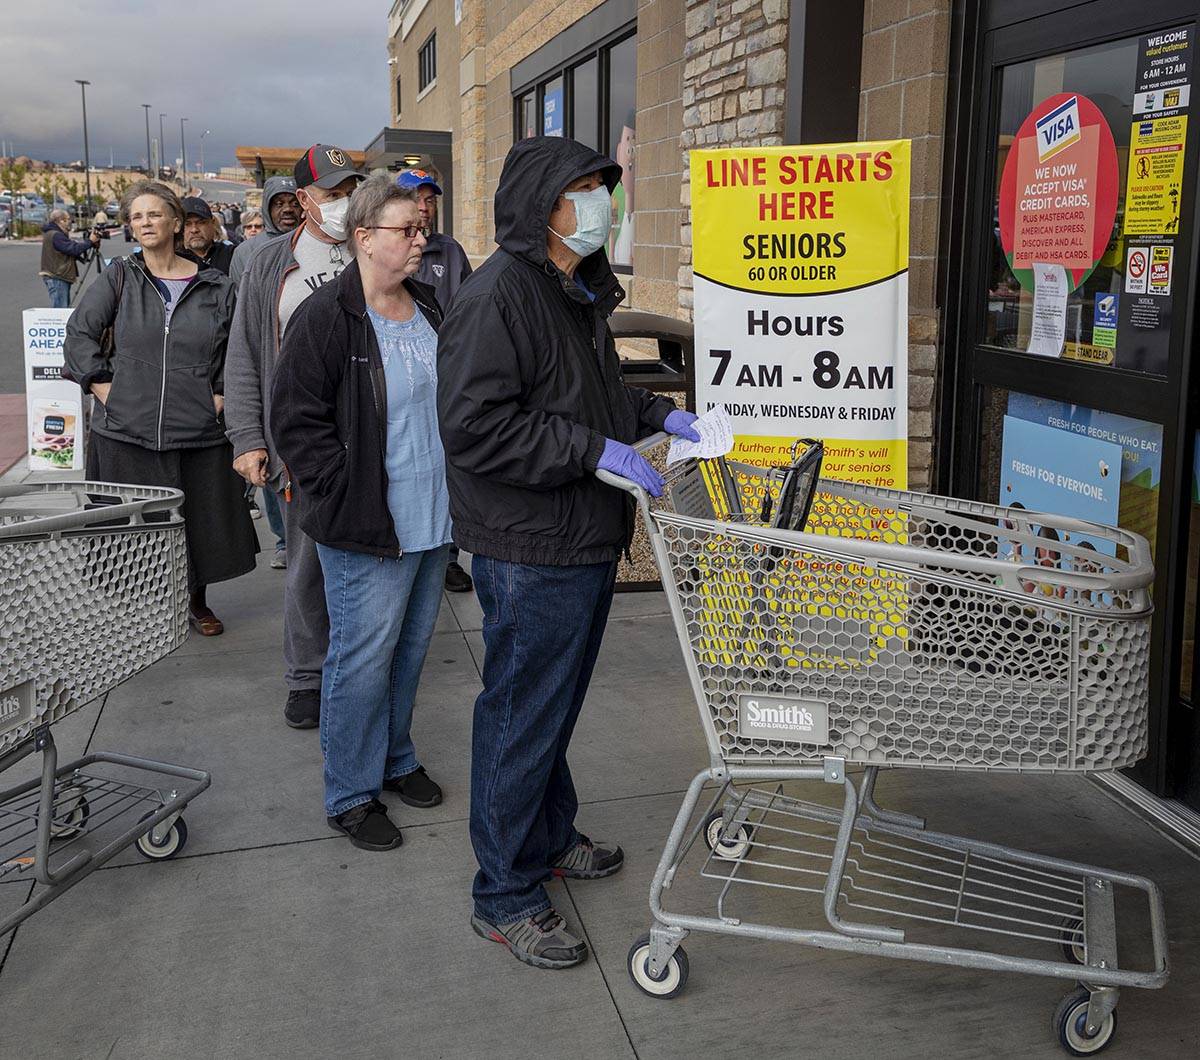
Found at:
[541, 940]
[588, 860]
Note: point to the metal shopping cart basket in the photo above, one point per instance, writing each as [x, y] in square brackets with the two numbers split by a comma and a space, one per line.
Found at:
[93, 589]
[831, 630]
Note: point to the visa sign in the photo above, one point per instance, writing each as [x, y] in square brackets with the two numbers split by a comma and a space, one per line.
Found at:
[1059, 129]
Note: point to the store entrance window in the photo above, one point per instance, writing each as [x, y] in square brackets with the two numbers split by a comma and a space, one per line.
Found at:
[1072, 350]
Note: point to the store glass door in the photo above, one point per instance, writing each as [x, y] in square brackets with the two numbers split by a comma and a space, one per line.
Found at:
[1076, 311]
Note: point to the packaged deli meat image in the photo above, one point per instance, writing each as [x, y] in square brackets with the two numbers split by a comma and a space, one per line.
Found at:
[52, 433]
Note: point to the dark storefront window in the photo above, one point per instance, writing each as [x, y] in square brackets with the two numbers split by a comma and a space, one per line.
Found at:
[622, 108]
[585, 103]
[427, 63]
[592, 98]
[526, 116]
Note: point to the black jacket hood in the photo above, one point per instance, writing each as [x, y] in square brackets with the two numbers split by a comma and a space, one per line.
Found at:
[535, 173]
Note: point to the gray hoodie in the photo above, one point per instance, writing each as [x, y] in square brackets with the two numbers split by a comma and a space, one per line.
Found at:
[246, 249]
[254, 347]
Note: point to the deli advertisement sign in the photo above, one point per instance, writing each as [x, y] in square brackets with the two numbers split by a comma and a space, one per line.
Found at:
[800, 260]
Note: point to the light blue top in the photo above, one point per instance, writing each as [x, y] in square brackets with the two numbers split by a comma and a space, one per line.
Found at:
[416, 464]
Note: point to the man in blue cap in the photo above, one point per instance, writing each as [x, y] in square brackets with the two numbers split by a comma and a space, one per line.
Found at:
[444, 265]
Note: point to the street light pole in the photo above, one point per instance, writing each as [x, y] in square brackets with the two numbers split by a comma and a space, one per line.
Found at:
[87, 162]
[202, 136]
[183, 154]
[162, 148]
[149, 160]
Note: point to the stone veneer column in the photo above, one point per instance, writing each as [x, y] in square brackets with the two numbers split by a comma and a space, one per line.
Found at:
[471, 207]
[904, 61]
[735, 66]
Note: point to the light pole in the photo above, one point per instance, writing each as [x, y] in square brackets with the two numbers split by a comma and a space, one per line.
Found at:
[87, 162]
[183, 154]
[149, 160]
[162, 148]
[202, 136]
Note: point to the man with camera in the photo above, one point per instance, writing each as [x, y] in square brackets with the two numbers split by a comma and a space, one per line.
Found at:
[61, 256]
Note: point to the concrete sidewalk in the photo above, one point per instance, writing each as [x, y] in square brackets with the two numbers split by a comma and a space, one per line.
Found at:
[272, 937]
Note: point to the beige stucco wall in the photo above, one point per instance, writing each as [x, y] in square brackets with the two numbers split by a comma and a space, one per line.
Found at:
[438, 107]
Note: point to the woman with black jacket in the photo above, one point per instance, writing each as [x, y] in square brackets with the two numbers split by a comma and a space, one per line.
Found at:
[158, 419]
[354, 416]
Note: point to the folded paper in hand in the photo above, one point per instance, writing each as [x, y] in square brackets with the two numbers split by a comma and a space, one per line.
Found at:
[716, 437]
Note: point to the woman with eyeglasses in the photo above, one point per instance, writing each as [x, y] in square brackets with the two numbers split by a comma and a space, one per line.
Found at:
[252, 224]
[354, 416]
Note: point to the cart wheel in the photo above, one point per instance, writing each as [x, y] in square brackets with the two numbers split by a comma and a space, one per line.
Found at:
[673, 978]
[71, 814]
[1070, 1024]
[173, 842]
[1072, 928]
[733, 847]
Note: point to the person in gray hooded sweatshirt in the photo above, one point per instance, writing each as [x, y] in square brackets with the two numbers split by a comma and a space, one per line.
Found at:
[281, 213]
[282, 272]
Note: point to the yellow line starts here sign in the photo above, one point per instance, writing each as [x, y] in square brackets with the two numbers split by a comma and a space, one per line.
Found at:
[800, 257]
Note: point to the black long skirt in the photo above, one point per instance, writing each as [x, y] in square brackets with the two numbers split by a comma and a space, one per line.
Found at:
[221, 541]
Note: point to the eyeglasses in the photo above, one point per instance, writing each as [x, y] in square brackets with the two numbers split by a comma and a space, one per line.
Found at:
[408, 231]
[251, 227]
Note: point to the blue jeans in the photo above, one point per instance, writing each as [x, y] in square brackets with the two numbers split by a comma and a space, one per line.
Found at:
[381, 618]
[60, 292]
[542, 628]
[270, 505]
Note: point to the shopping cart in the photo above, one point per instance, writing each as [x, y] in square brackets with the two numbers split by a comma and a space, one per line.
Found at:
[94, 589]
[831, 630]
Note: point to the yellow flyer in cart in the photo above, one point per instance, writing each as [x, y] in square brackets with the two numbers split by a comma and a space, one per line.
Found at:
[800, 256]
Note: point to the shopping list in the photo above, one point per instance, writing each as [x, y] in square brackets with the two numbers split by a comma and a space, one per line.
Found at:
[716, 437]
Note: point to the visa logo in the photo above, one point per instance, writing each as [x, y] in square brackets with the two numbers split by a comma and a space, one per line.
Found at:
[1059, 129]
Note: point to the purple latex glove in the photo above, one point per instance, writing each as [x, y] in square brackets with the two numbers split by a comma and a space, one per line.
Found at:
[680, 423]
[625, 461]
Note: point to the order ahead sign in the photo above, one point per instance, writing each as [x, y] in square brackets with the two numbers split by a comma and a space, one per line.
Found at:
[800, 257]
[53, 405]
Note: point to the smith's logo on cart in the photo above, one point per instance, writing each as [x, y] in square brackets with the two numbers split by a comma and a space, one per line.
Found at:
[792, 720]
[16, 706]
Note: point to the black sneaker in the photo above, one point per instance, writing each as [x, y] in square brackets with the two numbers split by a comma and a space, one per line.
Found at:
[415, 789]
[589, 861]
[457, 579]
[541, 940]
[303, 708]
[368, 827]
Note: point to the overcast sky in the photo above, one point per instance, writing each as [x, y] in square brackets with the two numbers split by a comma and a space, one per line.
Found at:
[264, 72]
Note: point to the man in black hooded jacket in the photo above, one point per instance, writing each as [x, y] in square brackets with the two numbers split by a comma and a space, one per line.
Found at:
[531, 403]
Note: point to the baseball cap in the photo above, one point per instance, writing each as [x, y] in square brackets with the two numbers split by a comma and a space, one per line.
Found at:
[418, 178]
[325, 166]
[194, 206]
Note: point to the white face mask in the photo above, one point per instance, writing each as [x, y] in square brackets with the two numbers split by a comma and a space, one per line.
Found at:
[593, 219]
[333, 218]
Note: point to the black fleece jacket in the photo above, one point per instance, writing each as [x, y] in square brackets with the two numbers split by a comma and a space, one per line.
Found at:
[529, 383]
[329, 415]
